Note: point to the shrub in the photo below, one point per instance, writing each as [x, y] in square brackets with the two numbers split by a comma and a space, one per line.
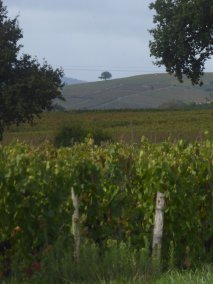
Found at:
[68, 136]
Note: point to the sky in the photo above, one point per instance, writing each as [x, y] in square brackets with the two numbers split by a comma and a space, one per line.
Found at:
[87, 37]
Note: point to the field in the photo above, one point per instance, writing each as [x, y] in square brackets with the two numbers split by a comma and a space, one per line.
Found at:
[144, 91]
[128, 126]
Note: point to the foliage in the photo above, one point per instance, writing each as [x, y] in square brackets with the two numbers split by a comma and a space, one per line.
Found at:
[183, 36]
[68, 136]
[26, 87]
[117, 186]
[105, 75]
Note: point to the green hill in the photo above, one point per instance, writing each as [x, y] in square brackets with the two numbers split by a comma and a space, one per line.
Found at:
[145, 91]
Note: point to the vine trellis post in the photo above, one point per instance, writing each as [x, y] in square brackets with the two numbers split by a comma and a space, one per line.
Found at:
[76, 225]
[158, 228]
[157, 232]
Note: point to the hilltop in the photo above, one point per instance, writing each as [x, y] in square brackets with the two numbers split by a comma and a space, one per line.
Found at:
[72, 81]
[144, 91]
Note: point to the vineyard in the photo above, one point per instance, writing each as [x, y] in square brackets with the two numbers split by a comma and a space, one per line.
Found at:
[126, 126]
[116, 185]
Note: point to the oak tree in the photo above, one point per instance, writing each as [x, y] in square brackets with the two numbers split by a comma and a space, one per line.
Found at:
[183, 36]
[105, 75]
[26, 87]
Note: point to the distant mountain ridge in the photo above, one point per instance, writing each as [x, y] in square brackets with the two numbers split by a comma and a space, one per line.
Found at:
[137, 92]
[72, 81]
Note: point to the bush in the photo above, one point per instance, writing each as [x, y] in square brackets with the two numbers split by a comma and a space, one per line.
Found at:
[68, 136]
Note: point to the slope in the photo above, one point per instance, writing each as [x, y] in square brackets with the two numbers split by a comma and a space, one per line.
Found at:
[145, 91]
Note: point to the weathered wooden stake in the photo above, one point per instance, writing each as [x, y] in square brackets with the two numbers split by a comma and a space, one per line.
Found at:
[76, 225]
[158, 228]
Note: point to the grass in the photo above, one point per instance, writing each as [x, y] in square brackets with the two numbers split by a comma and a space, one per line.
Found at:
[119, 264]
[203, 276]
[116, 264]
[199, 276]
[127, 126]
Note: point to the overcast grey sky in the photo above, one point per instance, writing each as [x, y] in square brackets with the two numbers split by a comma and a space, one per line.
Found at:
[87, 37]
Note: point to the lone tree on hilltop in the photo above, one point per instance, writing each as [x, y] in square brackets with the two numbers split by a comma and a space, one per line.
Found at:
[26, 87]
[105, 75]
[183, 36]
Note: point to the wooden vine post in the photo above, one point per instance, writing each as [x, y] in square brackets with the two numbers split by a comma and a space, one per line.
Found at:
[76, 225]
[158, 228]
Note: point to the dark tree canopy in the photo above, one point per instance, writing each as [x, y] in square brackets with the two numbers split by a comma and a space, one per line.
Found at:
[183, 36]
[105, 75]
[26, 87]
